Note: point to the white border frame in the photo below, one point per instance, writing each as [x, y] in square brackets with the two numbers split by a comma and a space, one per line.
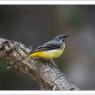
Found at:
[47, 92]
[46, 2]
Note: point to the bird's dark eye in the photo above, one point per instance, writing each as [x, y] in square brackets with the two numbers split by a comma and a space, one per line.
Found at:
[61, 37]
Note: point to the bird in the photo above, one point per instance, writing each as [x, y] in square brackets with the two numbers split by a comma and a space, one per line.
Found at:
[50, 50]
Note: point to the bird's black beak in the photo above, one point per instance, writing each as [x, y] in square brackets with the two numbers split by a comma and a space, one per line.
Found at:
[65, 36]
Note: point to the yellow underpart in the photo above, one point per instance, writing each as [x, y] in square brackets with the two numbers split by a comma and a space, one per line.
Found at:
[47, 54]
[42, 54]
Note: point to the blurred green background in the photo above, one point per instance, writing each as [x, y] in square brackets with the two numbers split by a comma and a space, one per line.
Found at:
[34, 25]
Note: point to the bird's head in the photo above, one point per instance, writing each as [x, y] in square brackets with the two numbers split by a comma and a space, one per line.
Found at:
[61, 38]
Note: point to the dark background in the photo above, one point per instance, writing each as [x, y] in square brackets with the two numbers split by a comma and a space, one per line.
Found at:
[34, 25]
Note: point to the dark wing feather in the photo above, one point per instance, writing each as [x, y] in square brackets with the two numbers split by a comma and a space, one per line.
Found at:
[47, 46]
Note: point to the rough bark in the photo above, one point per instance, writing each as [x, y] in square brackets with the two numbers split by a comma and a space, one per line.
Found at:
[48, 76]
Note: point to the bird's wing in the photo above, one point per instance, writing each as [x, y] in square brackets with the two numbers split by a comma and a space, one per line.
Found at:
[47, 46]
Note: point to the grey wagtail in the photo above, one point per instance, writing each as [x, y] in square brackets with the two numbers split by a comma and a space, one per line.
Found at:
[51, 49]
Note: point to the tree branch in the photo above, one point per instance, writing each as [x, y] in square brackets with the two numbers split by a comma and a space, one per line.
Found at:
[48, 76]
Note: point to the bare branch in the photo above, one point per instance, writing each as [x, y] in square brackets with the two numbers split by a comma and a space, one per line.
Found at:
[48, 76]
